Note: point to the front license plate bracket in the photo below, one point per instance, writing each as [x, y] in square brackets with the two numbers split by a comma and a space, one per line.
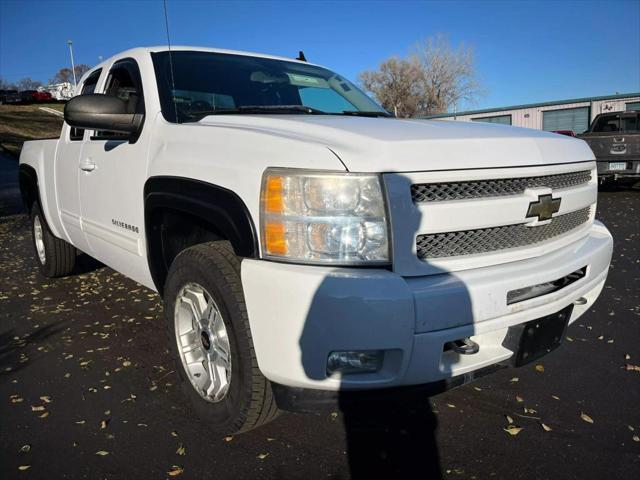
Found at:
[534, 339]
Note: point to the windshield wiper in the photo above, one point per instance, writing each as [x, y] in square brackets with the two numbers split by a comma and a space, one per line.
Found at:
[259, 109]
[363, 113]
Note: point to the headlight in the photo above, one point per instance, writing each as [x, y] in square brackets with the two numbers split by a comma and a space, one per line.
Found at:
[325, 218]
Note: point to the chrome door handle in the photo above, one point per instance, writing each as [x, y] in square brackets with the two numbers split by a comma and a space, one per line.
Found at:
[87, 165]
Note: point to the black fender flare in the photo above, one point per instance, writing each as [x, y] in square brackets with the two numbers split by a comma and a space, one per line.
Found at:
[29, 189]
[215, 205]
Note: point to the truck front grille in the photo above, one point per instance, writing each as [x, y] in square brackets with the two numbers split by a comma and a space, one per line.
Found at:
[437, 192]
[469, 242]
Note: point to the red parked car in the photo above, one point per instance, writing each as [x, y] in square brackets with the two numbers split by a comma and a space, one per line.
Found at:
[34, 96]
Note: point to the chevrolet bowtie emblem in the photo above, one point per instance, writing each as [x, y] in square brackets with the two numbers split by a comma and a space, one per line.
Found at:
[544, 207]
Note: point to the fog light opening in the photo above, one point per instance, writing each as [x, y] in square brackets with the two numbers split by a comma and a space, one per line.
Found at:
[354, 361]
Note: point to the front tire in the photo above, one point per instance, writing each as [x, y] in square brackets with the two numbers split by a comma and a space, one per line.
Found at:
[55, 257]
[210, 338]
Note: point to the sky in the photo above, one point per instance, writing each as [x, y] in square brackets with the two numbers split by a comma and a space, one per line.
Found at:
[524, 51]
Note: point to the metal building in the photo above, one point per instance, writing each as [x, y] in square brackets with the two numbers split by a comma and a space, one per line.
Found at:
[574, 114]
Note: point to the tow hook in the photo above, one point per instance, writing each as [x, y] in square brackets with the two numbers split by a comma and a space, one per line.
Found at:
[463, 346]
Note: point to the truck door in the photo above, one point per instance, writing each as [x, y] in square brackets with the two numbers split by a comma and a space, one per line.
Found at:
[111, 186]
[67, 173]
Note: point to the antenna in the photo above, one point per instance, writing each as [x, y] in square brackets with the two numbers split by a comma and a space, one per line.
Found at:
[301, 57]
[173, 81]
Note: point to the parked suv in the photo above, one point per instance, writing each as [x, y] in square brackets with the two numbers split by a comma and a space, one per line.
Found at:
[35, 96]
[307, 245]
[9, 97]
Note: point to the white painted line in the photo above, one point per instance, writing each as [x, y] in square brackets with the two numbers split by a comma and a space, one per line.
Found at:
[58, 113]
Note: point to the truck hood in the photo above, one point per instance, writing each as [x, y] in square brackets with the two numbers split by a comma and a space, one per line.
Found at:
[393, 145]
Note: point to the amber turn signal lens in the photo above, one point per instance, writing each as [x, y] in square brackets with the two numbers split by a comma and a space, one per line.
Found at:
[274, 201]
[275, 241]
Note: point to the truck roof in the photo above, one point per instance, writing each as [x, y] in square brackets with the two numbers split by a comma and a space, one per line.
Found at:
[141, 51]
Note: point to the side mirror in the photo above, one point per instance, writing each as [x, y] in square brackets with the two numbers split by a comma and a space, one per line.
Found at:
[102, 112]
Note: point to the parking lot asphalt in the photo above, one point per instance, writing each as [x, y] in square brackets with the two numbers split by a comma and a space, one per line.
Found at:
[87, 390]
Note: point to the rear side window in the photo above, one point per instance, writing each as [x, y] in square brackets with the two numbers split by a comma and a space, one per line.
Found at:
[88, 88]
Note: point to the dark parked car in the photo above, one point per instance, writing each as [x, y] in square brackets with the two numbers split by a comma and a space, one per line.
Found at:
[9, 96]
[34, 96]
[615, 141]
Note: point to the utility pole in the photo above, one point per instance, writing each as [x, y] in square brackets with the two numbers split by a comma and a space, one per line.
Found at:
[73, 67]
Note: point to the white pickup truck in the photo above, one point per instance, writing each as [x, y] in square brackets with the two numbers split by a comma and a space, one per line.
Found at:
[308, 246]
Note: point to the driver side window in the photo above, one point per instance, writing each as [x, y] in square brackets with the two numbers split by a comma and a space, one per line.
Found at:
[89, 87]
[123, 82]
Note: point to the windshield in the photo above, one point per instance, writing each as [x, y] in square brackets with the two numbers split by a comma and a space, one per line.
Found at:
[209, 83]
[625, 122]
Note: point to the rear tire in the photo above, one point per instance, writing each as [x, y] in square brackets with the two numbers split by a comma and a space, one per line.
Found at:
[55, 257]
[237, 397]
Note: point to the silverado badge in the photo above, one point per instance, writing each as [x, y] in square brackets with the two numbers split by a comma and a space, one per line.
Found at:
[544, 207]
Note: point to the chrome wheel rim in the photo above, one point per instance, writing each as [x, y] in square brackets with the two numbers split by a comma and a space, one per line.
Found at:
[38, 236]
[203, 343]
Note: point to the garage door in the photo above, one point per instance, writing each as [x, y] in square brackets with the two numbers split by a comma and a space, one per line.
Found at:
[575, 119]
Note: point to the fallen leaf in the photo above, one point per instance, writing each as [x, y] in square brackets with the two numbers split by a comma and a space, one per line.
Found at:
[262, 456]
[334, 415]
[126, 363]
[519, 399]
[451, 405]
[103, 424]
[477, 389]
[512, 429]
[539, 368]
[46, 399]
[22, 468]
[80, 422]
[555, 397]
[514, 380]
[228, 439]
[175, 471]
[509, 419]
[627, 356]
[102, 453]
[630, 428]
[25, 448]
[174, 433]
[181, 450]
[44, 415]
[636, 438]
[632, 368]
[586, 417]
[546, 428]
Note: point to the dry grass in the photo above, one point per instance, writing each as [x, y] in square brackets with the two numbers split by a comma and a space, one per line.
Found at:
[19, 123]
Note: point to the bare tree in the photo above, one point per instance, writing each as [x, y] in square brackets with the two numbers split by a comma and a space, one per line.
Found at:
[396, 85]
[448, 74]
[66, 75]
[432, 79]
[27, 83]
[7, 85]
